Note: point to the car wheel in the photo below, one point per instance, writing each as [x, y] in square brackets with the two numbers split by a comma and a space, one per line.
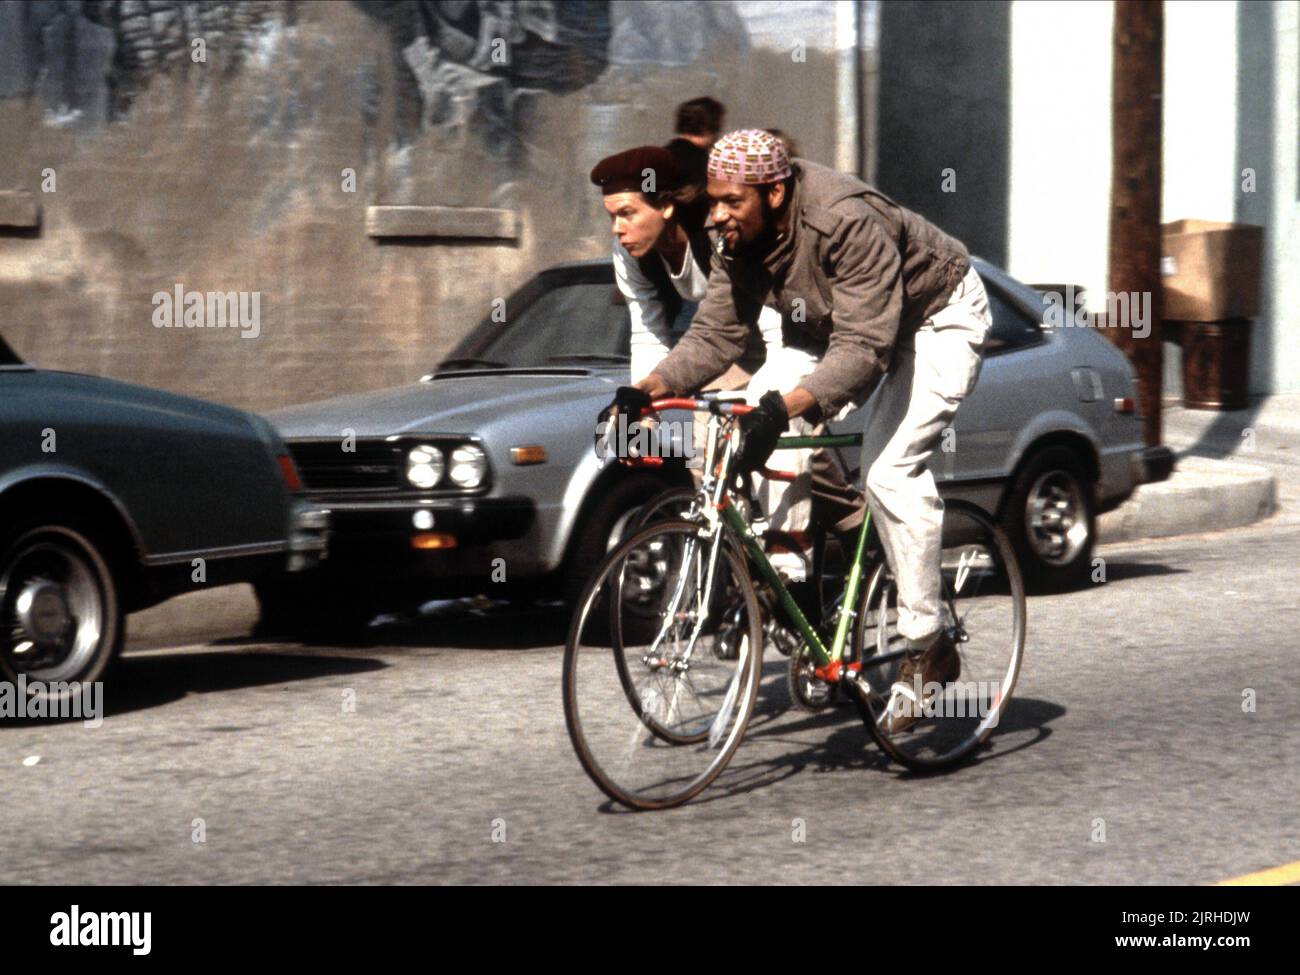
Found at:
[603, 526]
[1050, 520]
[60, 605]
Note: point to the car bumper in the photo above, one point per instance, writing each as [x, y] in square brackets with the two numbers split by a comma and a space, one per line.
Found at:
[308, 536]
[384, 537]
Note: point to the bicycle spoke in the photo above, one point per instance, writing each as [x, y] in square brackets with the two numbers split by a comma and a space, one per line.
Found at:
[984, 618]
[660, 688]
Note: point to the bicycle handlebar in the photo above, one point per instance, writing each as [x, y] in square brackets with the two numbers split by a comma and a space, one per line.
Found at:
[733, 408]
[722, 407]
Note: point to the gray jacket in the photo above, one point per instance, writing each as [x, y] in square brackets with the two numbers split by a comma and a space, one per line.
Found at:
[856, 275]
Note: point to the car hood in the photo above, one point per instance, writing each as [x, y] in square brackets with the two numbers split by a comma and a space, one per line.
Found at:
[95, 393]
[454, 403]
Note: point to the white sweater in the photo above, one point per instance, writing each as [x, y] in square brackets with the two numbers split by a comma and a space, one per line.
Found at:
[651, 334]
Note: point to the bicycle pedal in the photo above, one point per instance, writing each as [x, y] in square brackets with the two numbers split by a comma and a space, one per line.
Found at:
[782, 639]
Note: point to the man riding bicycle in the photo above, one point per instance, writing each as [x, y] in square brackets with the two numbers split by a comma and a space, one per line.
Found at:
[879, 291]
[662, 255]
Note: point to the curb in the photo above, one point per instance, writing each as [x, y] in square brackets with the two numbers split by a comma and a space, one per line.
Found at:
[1202, 495]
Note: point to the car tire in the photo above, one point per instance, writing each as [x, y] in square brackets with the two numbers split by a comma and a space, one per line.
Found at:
[1051, 521]
[60, 600]
[604, 523]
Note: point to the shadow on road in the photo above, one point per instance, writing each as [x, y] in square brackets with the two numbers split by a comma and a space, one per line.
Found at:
[137, 683]
[1116, 571]
[499, 628]
[849, 748]
[151, 681]
[1123, 571]
[847, 745]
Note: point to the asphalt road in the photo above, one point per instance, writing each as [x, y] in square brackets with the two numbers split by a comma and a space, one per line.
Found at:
[455, 766]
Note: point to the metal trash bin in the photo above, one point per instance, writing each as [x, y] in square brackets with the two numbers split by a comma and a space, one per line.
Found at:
[1216, 364]
[1211, 273]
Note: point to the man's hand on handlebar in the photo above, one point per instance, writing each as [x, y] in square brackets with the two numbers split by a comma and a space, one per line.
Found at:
[628, 401]
[760, 429]
[654, 386]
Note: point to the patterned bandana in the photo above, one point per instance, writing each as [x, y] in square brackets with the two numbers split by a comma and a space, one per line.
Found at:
[749, 156]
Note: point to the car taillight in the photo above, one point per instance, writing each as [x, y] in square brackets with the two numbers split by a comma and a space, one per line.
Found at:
[289, 473]
[1125, 404]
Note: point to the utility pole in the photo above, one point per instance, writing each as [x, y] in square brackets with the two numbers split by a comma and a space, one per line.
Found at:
[1137, 82]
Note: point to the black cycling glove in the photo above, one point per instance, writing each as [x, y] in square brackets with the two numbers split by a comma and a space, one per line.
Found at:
[760, 429]
[627, 400]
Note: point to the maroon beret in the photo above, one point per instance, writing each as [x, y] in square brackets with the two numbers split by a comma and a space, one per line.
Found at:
[625, 171]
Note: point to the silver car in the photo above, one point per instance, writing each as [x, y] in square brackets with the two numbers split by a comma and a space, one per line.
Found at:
[481, 477]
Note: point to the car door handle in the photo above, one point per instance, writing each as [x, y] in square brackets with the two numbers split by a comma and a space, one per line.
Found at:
[1087, 384]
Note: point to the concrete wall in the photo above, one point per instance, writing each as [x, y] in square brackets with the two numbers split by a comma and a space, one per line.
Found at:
[1033, 171]
[945, 86]
[228, 175]
[1231, 103]
[1059, 134]
[1268, 139]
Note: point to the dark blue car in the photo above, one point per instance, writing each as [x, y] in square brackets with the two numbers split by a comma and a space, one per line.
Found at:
[114, 497]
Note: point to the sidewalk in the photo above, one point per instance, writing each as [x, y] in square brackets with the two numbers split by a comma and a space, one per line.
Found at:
[1232, 469]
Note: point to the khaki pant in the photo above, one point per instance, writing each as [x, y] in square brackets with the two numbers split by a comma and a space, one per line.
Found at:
[916, 400]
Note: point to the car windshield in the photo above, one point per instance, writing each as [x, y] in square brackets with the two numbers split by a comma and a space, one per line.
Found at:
[558, 319]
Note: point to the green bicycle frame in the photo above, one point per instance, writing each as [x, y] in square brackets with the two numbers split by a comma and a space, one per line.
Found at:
[753, 545]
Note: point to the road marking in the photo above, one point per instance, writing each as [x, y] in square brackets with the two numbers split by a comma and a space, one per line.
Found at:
[1288, 873]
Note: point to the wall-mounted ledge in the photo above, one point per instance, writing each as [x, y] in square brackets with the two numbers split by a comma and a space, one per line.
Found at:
[450, 222]
[18, 208]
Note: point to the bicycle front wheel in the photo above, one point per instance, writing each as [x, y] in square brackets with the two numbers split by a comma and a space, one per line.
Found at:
[662, 665]
[983, 605]
[668, 505]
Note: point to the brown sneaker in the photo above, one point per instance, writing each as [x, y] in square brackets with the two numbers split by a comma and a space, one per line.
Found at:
[938, 663]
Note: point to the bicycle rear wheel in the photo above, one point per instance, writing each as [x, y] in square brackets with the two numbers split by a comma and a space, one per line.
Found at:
[662, 665]
[984, 609]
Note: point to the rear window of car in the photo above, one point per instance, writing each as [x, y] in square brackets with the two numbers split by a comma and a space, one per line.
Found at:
[1012, 328]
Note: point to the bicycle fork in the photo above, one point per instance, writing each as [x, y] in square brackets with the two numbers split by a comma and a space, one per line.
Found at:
[688, 576]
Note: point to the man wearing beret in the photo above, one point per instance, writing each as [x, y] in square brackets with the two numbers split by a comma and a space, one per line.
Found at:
[883, 293]
[662, 255]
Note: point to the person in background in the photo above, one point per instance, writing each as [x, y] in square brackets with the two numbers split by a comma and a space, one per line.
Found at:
[697, 125]
[662, 255]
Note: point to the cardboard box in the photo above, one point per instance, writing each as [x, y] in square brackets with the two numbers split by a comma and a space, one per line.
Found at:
[1211, 270]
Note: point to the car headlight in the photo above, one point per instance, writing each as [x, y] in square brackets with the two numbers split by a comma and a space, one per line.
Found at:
[468, 465]
[424, 466]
